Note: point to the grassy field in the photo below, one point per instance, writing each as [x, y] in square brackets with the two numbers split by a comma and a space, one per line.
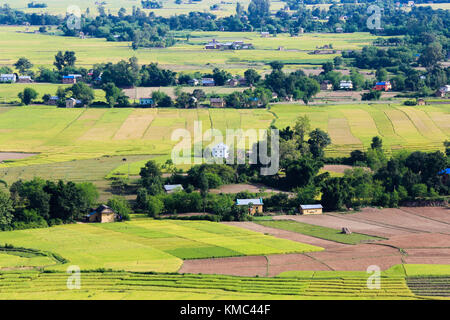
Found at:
[353, 126]
[190, 56]
[169, 6]
[318, 231]
[143, 245]
[62, 135]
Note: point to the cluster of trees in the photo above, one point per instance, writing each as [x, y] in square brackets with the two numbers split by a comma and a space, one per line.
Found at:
[376, 179]
[295, 85]
[15, 17]
[427, 51]
[38, 203]
[330, 74]
[152, 199]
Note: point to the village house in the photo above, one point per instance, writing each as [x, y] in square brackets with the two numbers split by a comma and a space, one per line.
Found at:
[274, 96]
[346, 85]
[265, 34]
[256, 205]
[102, 214]
[255, 102]
[53, 100]
[220, 150]
[421, 102]
[242, 81]
[217, 102]
[148, 102]
[171, 188]
[445, 174]
[69, 80]
[208, 82]
[25, 79]
[339, 30]
[72, 103]
[443, 91]
[383, 86]
[311, 209]
[193, 82]
[233, 82]
[235, 45]
[8, 78]
[326, 85]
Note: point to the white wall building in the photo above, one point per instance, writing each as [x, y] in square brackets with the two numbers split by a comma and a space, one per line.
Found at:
[8, 78]
[220, 150]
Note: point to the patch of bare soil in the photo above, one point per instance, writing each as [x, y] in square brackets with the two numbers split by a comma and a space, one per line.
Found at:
[253, 188]
[237, 266]
[14, 155]
[412, 238]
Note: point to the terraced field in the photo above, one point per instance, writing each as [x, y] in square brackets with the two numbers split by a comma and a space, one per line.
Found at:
[59, 135]
[112, 285]
[144, 244]
[353, 126]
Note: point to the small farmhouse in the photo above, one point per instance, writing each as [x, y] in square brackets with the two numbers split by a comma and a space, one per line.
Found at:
[311, 209]
[72, 103]
[69, 80]
[146, 102]
[53, 100]
[171, 188]
[421, 102]
[256, 205]
[346, 85]
[217, 102]
[25, 79]
[102, 214]
[208, 82]
[383, 86]
[265, 34]
[326, 85]
[220, 150]
[193, 82]
[8, 78]
[233, 82]
[443, 91]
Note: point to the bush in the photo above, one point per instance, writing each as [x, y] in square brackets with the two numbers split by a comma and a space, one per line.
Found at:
[121, 207]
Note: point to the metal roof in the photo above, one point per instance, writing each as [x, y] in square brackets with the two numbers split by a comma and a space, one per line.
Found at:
[311, 206]
[245, 202]
[171, 187]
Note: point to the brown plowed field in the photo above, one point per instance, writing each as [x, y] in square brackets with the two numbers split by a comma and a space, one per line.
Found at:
[415, 236]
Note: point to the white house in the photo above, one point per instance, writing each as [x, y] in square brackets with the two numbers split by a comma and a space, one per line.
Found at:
[347, 85]
[170, 188]
[10, 78]
[220, 150]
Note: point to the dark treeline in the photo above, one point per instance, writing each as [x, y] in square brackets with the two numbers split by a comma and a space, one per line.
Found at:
[41, 203]
[15, 17]
[149, 30]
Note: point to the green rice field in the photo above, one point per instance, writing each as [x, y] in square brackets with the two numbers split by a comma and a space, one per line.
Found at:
[63, 135]
[318, 231]
[395, 283]
[141, 245]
